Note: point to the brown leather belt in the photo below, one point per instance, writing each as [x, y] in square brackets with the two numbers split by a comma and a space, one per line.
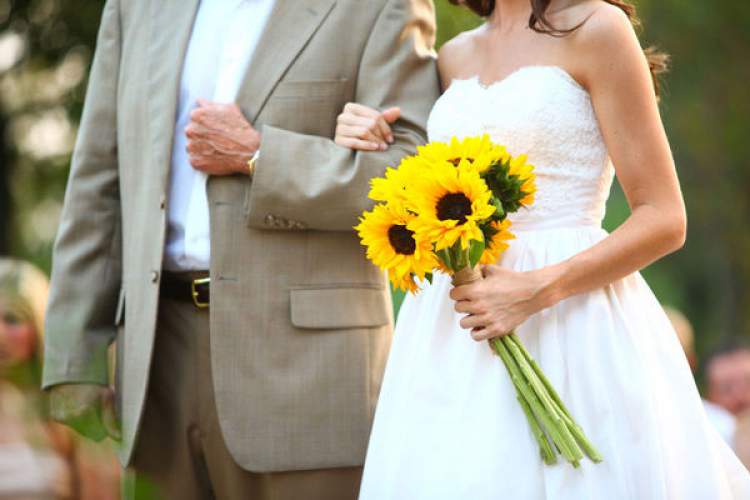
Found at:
[194, 287]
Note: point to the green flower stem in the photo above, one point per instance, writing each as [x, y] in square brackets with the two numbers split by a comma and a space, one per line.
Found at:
[576, 429]
[526, 395]
[545, 448]
[568, 445]
[553, 427]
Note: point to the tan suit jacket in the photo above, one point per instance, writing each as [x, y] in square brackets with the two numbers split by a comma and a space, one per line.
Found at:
[300, 321]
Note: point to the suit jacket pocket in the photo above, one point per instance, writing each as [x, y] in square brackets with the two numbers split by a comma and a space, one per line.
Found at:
[342, 307]
[306, 107]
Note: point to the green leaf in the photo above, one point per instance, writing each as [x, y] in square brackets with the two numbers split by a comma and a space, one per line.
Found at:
[445, 256]
[460, 256]
[499, 214]
[476, 249]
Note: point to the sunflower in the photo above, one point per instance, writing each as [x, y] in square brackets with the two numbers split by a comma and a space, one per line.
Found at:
[480, 152]
[451, 203]
[393, 187]
[496, 236]
[520, 168]
[393, 247]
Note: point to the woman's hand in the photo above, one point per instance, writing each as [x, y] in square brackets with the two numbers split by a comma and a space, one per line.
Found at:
[501, 301]
[365, 129]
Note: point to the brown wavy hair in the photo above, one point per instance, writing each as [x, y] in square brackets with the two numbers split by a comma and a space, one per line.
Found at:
[538, 21]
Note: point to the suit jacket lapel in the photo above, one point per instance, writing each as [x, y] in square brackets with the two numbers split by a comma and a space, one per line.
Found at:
[172, 23]
[291, 24]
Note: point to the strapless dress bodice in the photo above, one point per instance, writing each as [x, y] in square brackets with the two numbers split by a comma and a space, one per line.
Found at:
[542, 112]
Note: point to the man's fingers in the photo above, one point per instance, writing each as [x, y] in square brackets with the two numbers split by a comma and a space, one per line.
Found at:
[88, 424]
[109, 416]
[82, 407]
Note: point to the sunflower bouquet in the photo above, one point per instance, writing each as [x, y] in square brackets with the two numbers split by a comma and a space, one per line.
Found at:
[445, 209]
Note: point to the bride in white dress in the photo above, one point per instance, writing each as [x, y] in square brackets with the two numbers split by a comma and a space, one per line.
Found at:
[448, 425]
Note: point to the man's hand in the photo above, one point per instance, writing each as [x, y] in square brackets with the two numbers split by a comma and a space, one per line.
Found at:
[220, 140]
[86, 408]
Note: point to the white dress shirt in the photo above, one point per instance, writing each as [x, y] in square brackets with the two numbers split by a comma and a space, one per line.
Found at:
[225, 35]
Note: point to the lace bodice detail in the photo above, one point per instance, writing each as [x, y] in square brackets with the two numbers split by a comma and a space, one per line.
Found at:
[540, 111]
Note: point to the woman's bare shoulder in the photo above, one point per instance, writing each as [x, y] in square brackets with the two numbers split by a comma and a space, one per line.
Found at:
[603, 39]
[454, 53]
[596, 21]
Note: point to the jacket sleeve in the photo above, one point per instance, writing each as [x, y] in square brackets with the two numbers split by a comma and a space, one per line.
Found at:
[330, 192]
[86, 271]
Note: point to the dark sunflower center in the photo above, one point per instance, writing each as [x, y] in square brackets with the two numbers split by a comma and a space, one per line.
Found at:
[454, 206]
[402, 240]
[457, 161]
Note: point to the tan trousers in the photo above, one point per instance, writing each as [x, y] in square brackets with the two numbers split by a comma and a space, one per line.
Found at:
[181, 453]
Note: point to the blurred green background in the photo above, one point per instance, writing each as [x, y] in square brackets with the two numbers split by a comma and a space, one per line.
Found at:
[46, 47]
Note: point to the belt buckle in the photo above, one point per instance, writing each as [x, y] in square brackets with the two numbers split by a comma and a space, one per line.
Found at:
[196, 294]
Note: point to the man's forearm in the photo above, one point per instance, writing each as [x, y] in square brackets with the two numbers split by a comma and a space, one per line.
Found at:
[309, 181]
[86, 272]
[330, 192]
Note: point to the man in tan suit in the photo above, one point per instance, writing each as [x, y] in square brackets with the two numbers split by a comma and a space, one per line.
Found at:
[205, 151]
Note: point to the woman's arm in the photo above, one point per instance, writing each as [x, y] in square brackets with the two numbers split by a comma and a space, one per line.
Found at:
[363, 128]
[618, 79]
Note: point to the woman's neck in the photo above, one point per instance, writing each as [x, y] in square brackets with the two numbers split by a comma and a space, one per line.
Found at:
[509, 13]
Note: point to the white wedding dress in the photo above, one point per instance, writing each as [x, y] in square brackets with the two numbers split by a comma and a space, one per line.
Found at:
[448, 425]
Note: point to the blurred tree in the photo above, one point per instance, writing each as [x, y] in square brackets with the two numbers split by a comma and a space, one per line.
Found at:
[6, 160]
[45, 50]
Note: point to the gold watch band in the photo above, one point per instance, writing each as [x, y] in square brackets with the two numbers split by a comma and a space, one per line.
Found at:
[251, 164]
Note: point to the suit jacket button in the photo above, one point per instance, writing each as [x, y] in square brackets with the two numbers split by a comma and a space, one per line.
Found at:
[154, 276]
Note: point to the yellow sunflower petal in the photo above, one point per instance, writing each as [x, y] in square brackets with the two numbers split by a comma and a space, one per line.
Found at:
[498, 244]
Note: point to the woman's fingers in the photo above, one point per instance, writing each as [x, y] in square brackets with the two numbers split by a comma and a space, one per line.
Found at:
[360, 132]
[358, 144]
[474, 322]
[468, 307]
[383, 128]
[392, 114]
[377, 122]
[374, 125]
